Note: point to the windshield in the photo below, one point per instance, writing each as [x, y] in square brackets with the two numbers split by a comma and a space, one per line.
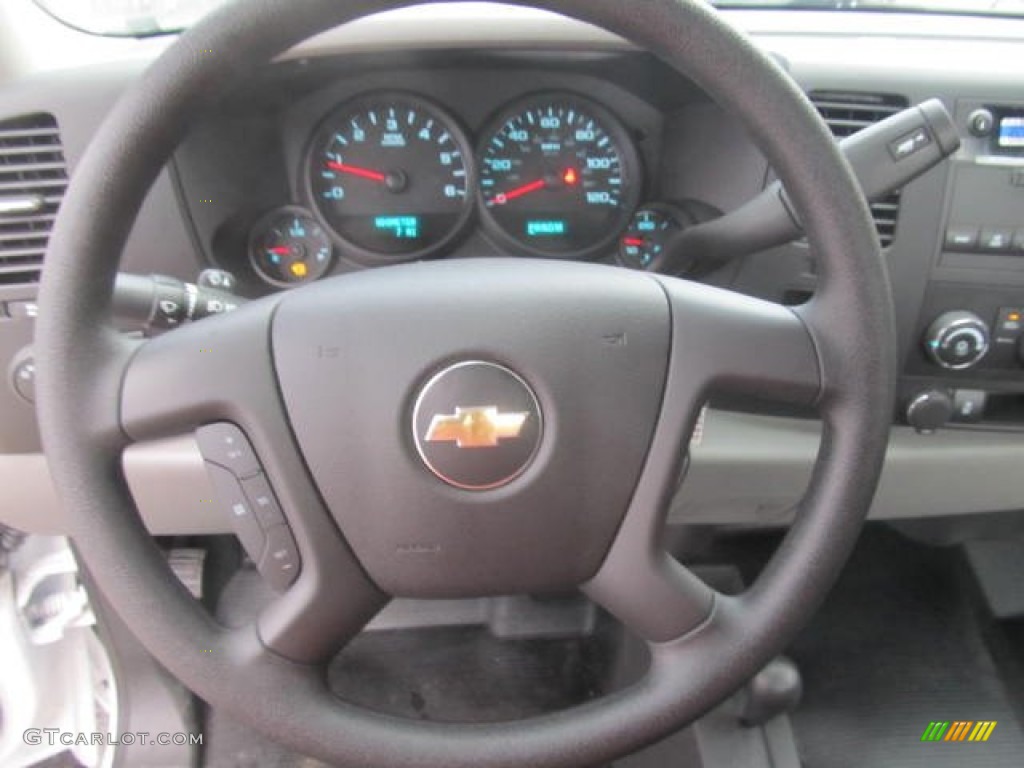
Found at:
[974, 7]
[140, 18]
[128, 18]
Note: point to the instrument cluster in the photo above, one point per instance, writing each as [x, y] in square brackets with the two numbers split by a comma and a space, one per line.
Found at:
[391, 176]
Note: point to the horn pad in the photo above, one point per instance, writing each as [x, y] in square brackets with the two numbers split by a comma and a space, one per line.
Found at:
[476, 428]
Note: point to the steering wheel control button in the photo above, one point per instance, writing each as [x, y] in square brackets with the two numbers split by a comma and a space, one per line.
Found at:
[259, 524]
[279, 564]
[226, 445]
[262, 501]
[477, 425]
[240, 510]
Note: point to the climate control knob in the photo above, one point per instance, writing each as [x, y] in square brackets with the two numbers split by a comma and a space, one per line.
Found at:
[929, 410]
[957, 340]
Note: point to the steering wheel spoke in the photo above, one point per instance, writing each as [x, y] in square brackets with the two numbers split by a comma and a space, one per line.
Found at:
[721, 341]
[217, 376]
[726, 342]
[215, 370]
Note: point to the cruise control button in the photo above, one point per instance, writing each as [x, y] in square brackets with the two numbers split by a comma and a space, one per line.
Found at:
[909, 143]
[243, 519]
[226, 445]
[279, 564]
[996, 240]
[962, 238]
[261, 497]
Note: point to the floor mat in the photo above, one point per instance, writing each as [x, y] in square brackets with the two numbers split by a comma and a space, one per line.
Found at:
[897, 646]
[464, 674]
[461, 674]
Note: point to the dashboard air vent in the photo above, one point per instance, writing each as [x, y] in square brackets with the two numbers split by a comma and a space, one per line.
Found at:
[33, 177]
[847, 112]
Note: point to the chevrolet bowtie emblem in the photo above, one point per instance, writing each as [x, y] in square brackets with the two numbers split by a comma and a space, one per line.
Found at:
[477, 427]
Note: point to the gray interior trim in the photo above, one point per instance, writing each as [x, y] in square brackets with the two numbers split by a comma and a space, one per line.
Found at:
[752, 470]
[166, 477]
[747, 470]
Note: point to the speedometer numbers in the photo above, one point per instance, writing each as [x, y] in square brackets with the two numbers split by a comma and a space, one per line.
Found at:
[391, 176]
[559, 176]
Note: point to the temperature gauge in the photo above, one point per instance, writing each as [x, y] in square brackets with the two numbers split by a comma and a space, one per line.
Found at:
[287, 247]
[648, 233]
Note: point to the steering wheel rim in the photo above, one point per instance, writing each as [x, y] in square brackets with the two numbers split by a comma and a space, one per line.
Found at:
[697, 659]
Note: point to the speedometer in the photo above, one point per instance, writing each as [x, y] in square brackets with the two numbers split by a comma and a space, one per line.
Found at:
[391, 175]
[559, 176]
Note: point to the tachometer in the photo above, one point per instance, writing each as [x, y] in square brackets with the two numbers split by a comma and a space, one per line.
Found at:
[391, 175]
[559, 176]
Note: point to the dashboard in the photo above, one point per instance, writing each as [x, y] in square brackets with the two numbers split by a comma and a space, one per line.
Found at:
[474, 155]
[473, 132]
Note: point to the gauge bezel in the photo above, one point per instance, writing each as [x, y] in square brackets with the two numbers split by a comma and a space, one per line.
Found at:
[354, 252]
[263, 222]
[670, 211]
[632, 172]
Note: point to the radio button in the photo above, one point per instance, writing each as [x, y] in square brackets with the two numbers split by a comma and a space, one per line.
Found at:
[1018, 242]
[996, 240]
[1010, 322]
[963, 239]
[980, 123]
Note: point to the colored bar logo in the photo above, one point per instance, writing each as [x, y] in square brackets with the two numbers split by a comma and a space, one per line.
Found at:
[959, 730]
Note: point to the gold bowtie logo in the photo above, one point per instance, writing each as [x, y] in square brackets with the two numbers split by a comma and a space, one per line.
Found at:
[478, 427]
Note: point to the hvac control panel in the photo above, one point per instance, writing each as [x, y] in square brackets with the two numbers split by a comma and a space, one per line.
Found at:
[966, 367]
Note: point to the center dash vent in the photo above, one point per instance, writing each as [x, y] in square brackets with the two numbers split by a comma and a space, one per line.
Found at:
[847, 112]
[33, 177]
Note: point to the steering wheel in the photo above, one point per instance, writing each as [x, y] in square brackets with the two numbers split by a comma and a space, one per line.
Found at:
[568, 391]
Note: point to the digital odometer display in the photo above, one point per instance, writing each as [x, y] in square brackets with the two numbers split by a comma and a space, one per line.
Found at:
[558, 175]
[391, 176]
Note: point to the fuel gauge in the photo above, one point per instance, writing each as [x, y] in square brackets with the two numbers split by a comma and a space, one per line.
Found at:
[649, 231]
[287, 248]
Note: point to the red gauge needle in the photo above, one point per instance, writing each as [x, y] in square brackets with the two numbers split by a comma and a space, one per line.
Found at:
[526, 189]
[355, 170]
[281, 250]
[635, 241]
